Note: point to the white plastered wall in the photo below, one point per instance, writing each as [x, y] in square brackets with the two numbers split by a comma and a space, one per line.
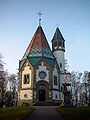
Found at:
[42, 67]
[59, 55]
[56, 74]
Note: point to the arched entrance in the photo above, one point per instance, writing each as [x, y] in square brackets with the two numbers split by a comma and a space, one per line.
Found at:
[42, 91]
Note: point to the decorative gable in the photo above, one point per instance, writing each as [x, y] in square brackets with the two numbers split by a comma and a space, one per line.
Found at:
[42, 73]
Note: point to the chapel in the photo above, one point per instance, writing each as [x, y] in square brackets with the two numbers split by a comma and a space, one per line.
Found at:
[40, 68]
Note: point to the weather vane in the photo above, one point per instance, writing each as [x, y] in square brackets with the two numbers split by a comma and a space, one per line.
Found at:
[39, 15]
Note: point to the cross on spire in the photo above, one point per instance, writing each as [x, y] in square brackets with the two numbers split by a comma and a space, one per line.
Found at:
[39, 16]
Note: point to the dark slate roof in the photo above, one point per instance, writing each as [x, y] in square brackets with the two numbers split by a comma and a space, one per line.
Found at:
[57, 35]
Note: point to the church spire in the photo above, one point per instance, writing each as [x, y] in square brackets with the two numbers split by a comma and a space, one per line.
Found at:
[39, 16]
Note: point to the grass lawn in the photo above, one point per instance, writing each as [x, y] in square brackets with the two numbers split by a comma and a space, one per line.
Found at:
[75, 113]
[14, 113]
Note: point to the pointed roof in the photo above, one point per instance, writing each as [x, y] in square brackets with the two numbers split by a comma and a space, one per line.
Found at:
[38, 49]
[57, 34]
[38, 46]
[39, 40]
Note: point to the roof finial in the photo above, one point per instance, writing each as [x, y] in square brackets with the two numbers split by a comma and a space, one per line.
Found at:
[39, 15]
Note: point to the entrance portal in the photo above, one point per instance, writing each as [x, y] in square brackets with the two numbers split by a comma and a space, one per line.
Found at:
[42, 95]
[42, 91]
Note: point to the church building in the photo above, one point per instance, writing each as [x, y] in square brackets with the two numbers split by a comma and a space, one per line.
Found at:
[40, 68]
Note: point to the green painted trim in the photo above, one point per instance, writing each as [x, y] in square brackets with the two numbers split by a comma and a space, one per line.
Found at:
[34, 60]
[50, 62]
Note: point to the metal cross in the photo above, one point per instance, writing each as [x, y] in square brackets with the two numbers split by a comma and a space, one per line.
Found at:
[39, 15]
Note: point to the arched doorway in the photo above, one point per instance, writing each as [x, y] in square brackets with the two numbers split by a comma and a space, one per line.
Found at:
[42, 95]
[42, 91]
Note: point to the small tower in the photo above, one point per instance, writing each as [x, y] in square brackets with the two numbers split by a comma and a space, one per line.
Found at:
[58, 49]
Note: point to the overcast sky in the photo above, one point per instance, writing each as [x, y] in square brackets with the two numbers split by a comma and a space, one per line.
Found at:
[19, 21]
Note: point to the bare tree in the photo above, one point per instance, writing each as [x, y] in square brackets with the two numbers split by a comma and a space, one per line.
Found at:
[76, 86]
[2, 82]
[85, 82]
[13, 86]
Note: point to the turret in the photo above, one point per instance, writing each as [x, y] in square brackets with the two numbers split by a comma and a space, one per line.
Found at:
[58, 42]
[58, 49]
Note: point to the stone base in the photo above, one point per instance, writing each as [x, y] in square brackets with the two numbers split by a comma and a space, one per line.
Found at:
[26, 103]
